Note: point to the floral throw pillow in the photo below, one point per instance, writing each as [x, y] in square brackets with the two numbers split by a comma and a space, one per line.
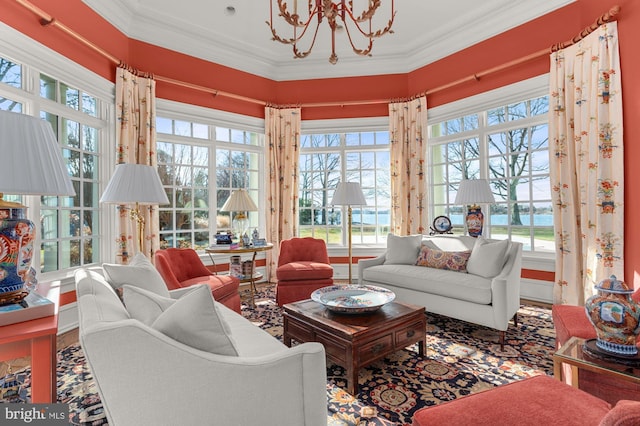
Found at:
[450, 260]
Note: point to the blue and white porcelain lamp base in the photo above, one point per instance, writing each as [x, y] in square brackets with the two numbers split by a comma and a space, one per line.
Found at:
[475, 221]
[17, 235]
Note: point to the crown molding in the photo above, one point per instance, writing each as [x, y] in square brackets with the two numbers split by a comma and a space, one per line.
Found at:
[138, 20]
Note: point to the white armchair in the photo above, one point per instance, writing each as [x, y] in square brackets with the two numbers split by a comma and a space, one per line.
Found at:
[145, 377]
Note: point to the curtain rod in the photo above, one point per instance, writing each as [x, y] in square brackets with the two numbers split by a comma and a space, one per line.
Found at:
[48, 20]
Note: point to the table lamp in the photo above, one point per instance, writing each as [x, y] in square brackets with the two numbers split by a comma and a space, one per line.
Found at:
[32, 164]
[240, 202]
[348, 194]
[135, 184]
[471, 193]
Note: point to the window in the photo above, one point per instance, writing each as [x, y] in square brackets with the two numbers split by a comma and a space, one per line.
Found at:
[70, 225]
[509, 146]
[186, 154]
[328, 158]
[69, 233]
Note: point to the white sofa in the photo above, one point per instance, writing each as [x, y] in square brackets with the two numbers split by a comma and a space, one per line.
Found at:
[144, 377]
[485, 300]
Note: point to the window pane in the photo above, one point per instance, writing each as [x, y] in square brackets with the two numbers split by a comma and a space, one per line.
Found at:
[163, 125]
[89, 105]
[10, 73]
[48, 87]
[70, 96]
[7, 104]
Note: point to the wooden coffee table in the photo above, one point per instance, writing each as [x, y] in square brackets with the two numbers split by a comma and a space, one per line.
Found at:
[354, 341]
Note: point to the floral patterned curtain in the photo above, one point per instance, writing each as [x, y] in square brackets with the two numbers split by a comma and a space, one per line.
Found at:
[136, 143]
[282, 131]
[586, 164]
[408, 127]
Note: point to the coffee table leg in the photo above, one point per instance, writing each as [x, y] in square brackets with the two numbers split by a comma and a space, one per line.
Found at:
[352, 381]
[422, 347]
[286, 338]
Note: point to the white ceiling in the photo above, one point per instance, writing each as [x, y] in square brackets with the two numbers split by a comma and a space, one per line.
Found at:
[424, 31]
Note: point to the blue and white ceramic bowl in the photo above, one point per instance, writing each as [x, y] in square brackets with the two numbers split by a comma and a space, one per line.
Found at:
[353, 299]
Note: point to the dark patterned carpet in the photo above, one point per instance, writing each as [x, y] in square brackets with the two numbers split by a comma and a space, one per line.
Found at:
[461, 359]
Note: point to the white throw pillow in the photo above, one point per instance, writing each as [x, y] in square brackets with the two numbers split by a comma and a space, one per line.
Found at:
[487, 257]
[194, 320]
[138, 273]
[402, 250]
[144, 305]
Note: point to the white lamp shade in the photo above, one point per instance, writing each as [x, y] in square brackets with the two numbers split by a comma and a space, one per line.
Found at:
[348, 194]
[134, 183]
[239, 201]
[474, 191]
[32, 162]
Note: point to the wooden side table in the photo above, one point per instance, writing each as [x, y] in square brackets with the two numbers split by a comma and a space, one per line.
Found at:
[36, 338]
[571, 353]
[253, 276]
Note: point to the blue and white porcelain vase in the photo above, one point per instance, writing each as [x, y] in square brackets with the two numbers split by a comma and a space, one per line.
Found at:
[615, 315]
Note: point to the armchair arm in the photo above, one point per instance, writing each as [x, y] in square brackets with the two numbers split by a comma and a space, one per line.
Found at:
[367, 263]
[183, 385]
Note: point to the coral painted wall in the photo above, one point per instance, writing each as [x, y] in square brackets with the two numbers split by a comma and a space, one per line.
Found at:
[531, 37]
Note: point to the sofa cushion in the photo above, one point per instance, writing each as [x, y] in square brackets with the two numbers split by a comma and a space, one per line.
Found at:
[192, 319]
[451, 260]
[304, 270]
[487, 257]
[402, 250]
[452, 284]
[221, 286]
[139, 273]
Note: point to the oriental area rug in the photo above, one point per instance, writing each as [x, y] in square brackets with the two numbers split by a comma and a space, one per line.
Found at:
[461, 359]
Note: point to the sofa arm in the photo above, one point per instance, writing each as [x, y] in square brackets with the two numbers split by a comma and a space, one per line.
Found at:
[505, 288]
[367, 263]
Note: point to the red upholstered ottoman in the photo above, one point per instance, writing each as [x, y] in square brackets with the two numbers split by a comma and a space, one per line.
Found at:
[570, 320]
[536, 401]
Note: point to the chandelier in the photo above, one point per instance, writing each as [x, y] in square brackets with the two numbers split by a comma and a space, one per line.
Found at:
[333, 11]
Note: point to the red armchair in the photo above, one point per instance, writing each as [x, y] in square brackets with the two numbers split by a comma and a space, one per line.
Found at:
[535, 401]
[183, 268]
[569, 321]
[303, 266]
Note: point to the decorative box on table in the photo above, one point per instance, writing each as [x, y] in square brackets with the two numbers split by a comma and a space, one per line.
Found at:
[31, 307]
